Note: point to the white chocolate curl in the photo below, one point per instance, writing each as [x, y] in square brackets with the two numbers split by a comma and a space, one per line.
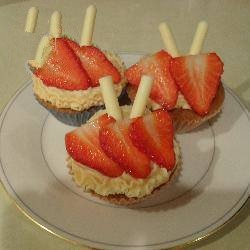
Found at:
[56, 24]
[141, 97]
[199, 38]
[44, 42]
[168, 39]
[31, 20]
[109, 97]
[88, 26]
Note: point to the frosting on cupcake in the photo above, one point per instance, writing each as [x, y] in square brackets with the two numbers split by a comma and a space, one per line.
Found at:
[92, 180]
[76, 100]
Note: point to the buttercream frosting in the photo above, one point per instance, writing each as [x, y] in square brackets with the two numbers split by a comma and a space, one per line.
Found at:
[90, 179]
[76, 99]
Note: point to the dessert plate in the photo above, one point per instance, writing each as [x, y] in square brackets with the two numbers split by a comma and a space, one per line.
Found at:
[211, 186]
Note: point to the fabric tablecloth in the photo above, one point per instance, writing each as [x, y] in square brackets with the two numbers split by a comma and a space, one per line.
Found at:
[124, 26]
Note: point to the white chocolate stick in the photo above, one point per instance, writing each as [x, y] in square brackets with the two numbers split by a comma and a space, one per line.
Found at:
[44, 42]
[168, 39]
[31, 20]
[141, 97]
[110, 98]
[88, 26]
[56, 24]
[199, 38]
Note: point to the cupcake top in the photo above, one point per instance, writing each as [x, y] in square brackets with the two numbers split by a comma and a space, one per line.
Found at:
[130, 157]
[66, 74]
[187, 82]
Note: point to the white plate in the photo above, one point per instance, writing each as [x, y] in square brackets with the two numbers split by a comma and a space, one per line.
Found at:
[212, 186]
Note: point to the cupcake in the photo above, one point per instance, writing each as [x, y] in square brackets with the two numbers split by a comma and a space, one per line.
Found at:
[65, 74]
[125, 155]
[189, 87]
[66, 82]
[124, 161]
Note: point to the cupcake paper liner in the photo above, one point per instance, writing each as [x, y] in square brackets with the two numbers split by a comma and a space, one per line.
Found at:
[75, 119]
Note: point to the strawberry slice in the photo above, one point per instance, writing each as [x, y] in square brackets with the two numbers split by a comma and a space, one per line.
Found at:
[95, 63]
[116, 143]
[198, 78]
[63, 69]
[164, 90]
[153, 135]
[83, 146]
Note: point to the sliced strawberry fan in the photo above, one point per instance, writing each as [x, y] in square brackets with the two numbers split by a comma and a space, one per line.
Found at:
[129, 146]
[72, 67]
[196, 76]
[63, 68]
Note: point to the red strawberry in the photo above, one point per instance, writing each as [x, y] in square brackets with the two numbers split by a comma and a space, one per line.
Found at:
[83, 146]
[198, 78]
[153, 135]
[63, 69]
[95, 63]
[164, 90]
[116, 143]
